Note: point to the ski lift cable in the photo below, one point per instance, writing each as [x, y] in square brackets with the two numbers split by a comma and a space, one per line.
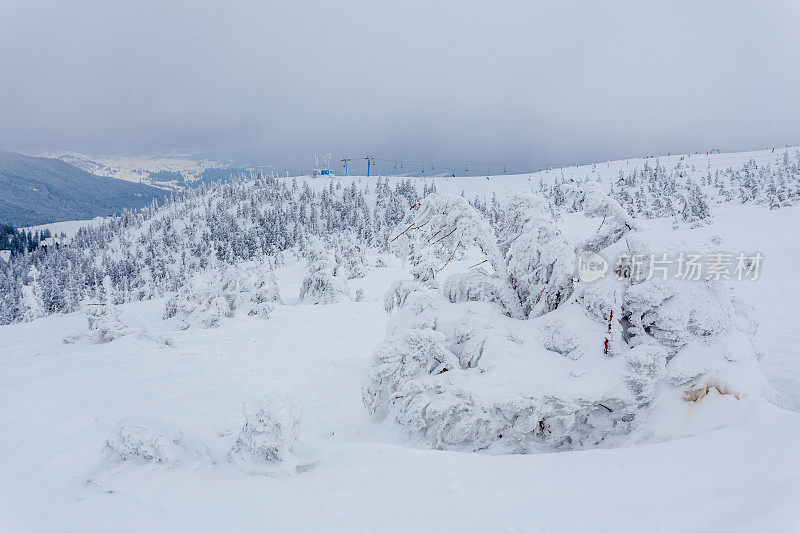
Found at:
[699, 160]
[687, 157]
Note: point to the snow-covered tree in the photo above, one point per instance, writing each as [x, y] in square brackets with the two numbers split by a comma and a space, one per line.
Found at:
[32, 304]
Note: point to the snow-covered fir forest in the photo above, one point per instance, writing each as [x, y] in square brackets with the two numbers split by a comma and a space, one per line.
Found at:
[154, 251]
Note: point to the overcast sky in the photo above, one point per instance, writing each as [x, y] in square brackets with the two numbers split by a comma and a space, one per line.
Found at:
[520, 82]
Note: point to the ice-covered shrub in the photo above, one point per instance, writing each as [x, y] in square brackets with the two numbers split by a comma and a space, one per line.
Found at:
[586, 367]
[349, 256]
[453, 374]
[223, 292]
[527, 213]
[477, 286]
[267, 438]
[398, 292]
[103, 320]
[615, 221]
[423, 269]
[541, 272]
[260, 291]
[322, 287]
[440, 227]
[102, 316]
[142, 440]
[319, 257]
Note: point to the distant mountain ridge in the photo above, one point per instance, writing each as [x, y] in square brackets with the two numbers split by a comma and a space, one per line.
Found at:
[165, 171]
[39, 190]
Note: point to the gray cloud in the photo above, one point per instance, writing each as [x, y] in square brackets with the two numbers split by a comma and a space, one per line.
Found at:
[517, 82]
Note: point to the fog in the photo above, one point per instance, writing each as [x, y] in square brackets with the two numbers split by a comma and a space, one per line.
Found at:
[525, 84]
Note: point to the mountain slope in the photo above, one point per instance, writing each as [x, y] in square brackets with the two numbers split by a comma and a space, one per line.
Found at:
[38, 190]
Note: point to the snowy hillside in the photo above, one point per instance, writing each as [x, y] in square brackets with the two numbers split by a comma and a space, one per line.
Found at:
[166, 171]
[36, 190]
[611, 346]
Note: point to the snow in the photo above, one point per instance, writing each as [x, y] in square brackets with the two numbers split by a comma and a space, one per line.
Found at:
[367, 477]
[146, 435]
[69, 228]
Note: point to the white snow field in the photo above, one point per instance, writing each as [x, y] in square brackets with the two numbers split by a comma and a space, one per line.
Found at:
[69, 228]
[244, 411]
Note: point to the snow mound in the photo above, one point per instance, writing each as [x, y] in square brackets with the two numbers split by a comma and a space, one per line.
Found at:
[146, 441]
[267, 438]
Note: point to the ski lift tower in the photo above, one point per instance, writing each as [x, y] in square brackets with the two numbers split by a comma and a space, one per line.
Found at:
[323, 169]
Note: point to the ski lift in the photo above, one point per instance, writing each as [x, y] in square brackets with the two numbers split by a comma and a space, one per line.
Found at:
[323, 169]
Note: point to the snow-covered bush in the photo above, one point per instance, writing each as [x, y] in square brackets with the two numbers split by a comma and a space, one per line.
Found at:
[423, 269]
[223, 292]
[103, 320]
[475, 286]
[615, 221]
[102, 316]
[200, 303]
[527, 213]
[318, 255]
[398, 292]
[322, 286]
[142, 440]
[462, 372]
[267, 438]
[259, 291]
[349, 256]
[463, 376]
[441, 226]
